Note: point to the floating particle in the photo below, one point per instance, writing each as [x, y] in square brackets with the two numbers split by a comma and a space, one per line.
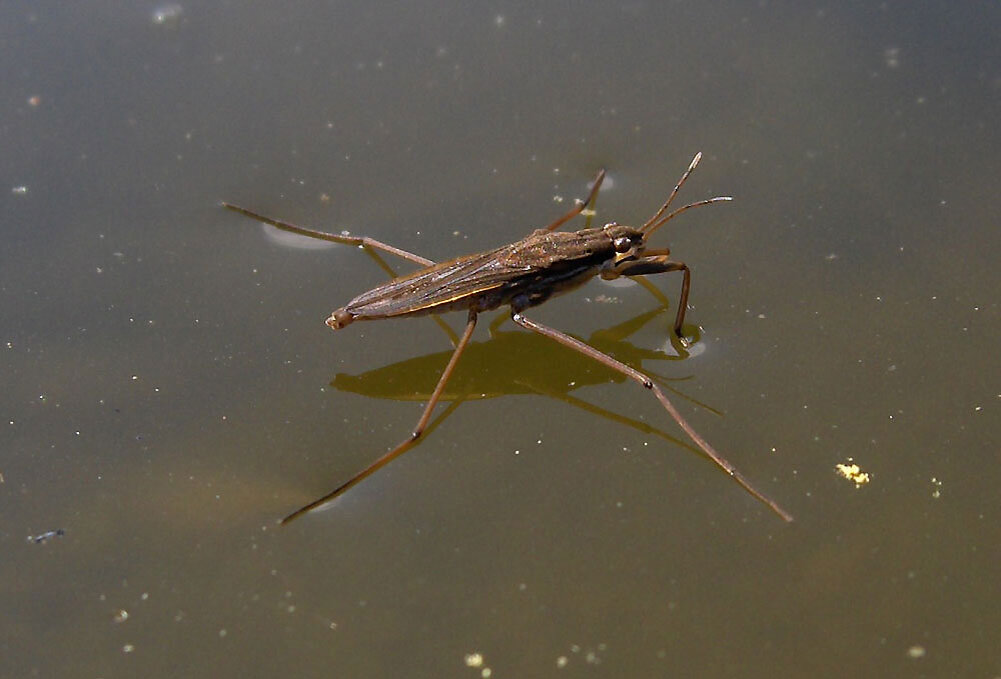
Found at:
[852, 472]
[46, 536]
[891, 56]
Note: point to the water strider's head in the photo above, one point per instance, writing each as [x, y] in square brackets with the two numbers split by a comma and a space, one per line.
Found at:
[630, 241]
[624, 238]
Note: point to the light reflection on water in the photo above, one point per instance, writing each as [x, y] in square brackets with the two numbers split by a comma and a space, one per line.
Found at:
[294, 240]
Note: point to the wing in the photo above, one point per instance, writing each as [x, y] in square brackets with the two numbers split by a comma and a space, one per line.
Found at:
[453, 284]
[440, 285]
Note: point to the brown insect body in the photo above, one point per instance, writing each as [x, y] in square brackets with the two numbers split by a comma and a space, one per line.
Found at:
[522, 274]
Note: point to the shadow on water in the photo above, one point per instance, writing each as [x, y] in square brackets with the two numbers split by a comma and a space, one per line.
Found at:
[481, 379]
[541, 368]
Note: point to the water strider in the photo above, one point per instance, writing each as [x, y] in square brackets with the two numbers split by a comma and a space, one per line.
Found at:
[521, 275]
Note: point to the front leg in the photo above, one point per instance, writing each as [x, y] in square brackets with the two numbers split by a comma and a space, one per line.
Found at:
[651, 264]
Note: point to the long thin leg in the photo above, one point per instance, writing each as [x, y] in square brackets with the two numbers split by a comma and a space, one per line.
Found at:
[636, 375]
[686, 283]
[334, 238]
[579, 207]
[407, 443]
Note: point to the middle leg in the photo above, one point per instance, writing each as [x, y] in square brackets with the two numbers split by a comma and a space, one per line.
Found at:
[642, 379]
[408, 442]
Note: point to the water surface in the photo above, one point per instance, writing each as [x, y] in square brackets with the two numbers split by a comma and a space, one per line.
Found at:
[171, 390]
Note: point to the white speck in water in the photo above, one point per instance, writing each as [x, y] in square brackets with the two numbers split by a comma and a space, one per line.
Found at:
[891, 56]
[167, 15]
[618, 282]
[693, 350]
[607, 185]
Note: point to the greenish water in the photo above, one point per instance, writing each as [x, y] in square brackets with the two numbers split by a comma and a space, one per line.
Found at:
[171, 390]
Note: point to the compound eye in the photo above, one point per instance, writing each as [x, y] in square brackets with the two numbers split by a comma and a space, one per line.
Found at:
[623, 244]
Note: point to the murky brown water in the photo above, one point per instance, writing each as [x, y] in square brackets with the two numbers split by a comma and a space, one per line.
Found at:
[171, 390]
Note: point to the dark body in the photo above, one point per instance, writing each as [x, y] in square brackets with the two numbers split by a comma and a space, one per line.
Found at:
[522, 274]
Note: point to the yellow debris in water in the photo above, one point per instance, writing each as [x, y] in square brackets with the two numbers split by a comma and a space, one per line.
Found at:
[852, 472]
